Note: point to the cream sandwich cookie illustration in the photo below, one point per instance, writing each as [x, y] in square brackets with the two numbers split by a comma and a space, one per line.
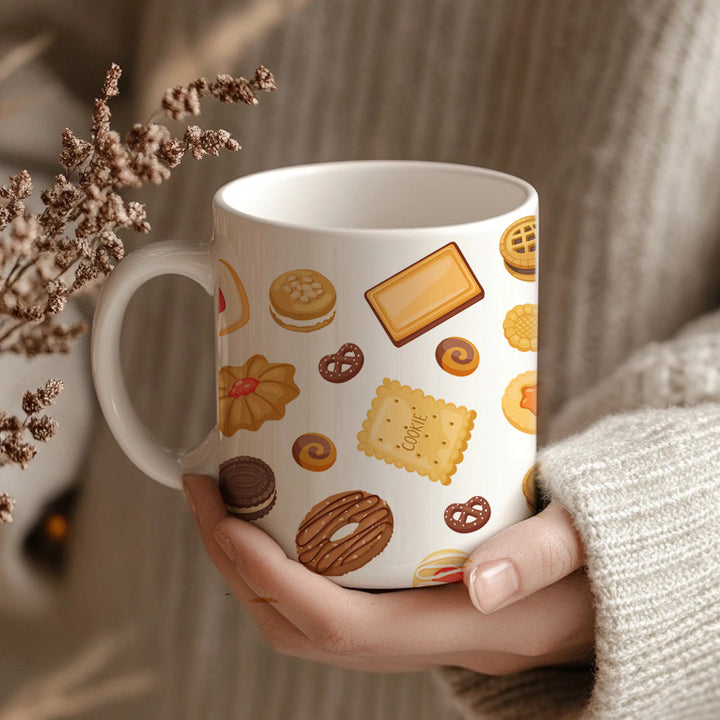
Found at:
[440, 568]
[233, 305]
[302, 300]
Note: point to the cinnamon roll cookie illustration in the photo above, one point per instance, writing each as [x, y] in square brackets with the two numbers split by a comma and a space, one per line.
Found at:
[440, 568]
[518, 247]
[343, 365]
[519, 403]
[521, 327]
[457, 356]
[302, 300]
[414, 431]
[425, 294]
[254, 393]
[247, 486]
[315, 452]
[233, 305]
[321, 550]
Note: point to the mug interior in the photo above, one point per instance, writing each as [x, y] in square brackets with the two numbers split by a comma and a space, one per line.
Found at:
[374, 195]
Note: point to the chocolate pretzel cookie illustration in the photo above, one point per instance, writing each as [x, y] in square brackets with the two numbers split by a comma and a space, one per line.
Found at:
[317, 549]
[343, 365]
[469, 516]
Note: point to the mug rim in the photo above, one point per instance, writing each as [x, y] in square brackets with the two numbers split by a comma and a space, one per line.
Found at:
[526, 207]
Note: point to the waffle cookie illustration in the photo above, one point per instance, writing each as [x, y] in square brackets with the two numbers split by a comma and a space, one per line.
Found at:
[415, 431]
[302, 300]
[425, 294]
[518, 247]
[521, 327]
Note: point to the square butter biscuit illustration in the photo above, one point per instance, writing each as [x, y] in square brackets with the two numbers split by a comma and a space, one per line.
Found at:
[425, 294]
[415, 431]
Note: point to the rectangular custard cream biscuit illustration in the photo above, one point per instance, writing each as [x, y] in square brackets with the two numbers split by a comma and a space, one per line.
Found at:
[424, 294]
[415, 431]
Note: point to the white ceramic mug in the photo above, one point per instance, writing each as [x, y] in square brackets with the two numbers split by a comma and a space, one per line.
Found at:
[376, 362]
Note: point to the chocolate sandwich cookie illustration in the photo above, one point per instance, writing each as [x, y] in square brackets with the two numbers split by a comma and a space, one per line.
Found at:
[247, 486]
[518, 247]
[371, 519]
[302, 300]
[233, 305]
[415, 431]
[314, 451]
[254, 393]
[425, 294]
[440, 568]
[457, 356]
[519, 403]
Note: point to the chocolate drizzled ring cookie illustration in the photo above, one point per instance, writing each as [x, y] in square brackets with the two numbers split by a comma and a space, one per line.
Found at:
[343, 365]
[469, 516]
[321, 551]
[457, 356]
[518, 247]
[315, 452]
[247, 486]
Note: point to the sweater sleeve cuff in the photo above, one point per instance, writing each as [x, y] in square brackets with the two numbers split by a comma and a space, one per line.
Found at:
[644, 492]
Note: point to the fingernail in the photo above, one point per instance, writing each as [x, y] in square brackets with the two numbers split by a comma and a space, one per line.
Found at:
[493, 584]
[224, 542]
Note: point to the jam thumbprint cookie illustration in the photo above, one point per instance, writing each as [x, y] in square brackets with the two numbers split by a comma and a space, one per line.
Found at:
[519, 403]
[302, 300]
[343, 365]
[322, 546]
[457, 356]
[440, 568]
[247, 486]
[469, 516]
[415, 431]
[521, 327]
[315, 452]
[233, 305]
[518, 247]
[425, 294]
[253, 393]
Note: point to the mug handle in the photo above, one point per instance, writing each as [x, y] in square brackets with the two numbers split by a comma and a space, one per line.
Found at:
[162, 258]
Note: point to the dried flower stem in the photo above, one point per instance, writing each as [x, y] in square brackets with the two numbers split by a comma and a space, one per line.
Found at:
[73, 243]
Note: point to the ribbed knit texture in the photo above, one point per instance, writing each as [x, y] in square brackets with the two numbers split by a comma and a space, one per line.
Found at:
[610, 109]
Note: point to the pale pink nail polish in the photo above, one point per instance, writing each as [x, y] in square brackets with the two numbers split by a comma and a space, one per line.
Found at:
[492, 584]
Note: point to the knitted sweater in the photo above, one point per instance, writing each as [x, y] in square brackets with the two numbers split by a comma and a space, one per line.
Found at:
[610, 109]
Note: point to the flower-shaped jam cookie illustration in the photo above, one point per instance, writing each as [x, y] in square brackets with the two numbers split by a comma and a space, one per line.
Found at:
[254, 393]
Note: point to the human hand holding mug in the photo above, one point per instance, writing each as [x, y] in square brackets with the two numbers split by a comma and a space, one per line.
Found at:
[376, 363]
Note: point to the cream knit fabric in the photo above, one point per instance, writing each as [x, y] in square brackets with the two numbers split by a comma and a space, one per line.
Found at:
[610, 109]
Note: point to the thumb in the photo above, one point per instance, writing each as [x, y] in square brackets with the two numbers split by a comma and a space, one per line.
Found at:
[523, 559]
